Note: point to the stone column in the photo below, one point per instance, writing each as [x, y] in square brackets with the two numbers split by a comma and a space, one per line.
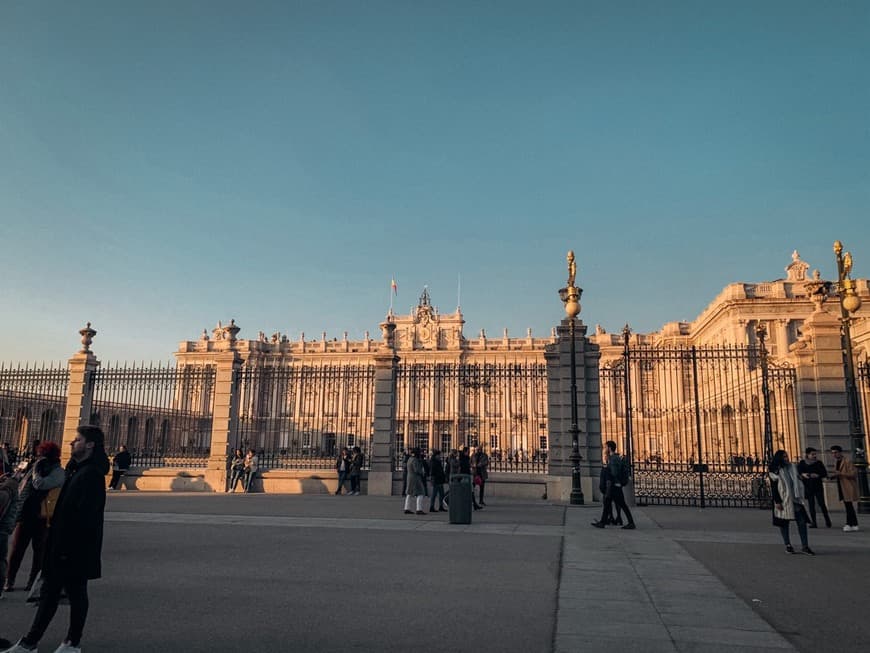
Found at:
[821, 394]
[224, 418]
[380, 477]
[79, 397]
[558, 358]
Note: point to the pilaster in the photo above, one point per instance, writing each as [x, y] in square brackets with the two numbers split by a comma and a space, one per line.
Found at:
[380, 477]
[79, 397]
[821, 393]
[224, 417]
[558, 359]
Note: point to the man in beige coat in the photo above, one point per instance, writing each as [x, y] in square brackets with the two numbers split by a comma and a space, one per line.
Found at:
[847, 487]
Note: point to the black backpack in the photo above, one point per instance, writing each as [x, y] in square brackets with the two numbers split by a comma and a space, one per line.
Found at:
[624, 474]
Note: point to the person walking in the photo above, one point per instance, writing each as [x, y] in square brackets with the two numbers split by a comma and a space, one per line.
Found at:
[342, 466]
[237, 470]
[416, 482]
[481, 471]
[75, 541]
[356, 464]
[812, 471]
[604, 483]
[439, 478]
[120, 465]
[789, 501]
[618, 470]
[252, 464]
[39, 490]
[847, 487]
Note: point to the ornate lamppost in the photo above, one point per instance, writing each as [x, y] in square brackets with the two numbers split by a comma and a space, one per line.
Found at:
[849, 303]
[570, 296]
[761, 333]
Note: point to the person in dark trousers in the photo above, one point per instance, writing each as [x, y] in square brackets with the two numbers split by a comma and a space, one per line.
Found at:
[32, 524]
[812, 471]
[75, 542]
[8, 513]
[465, 468]
[617, 468]
[789, 501]
[604, 483]
[439, 478]
[342, 467]
[356, 464]
[480, 461]
[120, 465]
[847, 487]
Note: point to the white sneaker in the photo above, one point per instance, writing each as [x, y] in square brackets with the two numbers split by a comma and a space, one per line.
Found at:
[18, 648]
[854, 529]
[67, 648]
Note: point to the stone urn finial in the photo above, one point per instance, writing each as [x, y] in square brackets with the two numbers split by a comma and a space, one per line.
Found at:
[232, 330]
[87, 335]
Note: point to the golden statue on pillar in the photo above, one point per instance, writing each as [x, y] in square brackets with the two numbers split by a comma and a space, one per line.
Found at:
[572, 268]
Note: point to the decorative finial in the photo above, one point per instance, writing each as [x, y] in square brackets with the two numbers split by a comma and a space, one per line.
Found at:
[87, 335]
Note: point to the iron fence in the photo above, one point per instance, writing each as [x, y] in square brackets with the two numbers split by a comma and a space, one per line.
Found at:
[32, 404]
[693, 421]
[299, 417]
[161, 413]
[499, 406]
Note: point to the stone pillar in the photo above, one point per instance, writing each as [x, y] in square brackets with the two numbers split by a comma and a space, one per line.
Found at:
[224, 418]
[380, 477]
[558, 358]
[824, 413]
[79, 397]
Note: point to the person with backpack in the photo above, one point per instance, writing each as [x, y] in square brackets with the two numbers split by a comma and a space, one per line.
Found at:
[619, 470]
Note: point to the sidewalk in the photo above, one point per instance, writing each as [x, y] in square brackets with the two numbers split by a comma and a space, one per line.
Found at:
[641, 591]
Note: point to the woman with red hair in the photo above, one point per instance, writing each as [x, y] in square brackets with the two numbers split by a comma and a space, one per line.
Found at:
[32, 523]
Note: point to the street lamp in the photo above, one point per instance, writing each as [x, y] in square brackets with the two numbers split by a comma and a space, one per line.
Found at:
[849, 303]
[570, 296]
[761, 334]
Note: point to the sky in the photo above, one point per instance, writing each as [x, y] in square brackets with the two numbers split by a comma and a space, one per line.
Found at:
[165, 165]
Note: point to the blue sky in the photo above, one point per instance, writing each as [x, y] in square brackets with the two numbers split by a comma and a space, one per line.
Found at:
[164, 165]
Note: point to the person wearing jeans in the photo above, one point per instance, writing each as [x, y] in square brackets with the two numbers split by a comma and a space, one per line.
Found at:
[812, 471]
[789, 502]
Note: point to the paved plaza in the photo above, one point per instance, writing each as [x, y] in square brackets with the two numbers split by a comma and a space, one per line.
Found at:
[202, 572]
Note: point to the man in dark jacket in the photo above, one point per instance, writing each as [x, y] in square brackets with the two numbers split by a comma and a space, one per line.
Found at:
[120, 465]
[75, 541]
[617, 470]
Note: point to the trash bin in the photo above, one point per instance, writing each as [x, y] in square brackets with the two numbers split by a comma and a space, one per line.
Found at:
[460, 499]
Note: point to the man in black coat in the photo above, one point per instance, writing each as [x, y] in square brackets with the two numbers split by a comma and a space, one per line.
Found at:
[120, 465]
[75, 541]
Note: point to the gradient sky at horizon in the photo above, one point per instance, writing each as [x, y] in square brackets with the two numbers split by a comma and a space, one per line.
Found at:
[165, 165]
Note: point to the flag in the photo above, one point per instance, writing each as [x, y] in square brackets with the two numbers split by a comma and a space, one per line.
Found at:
[395, 287]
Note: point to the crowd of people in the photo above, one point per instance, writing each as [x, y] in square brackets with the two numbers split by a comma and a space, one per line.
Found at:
[58, 513]
[421, 472]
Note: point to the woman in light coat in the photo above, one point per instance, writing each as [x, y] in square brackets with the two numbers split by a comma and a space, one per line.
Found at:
[416, 482]
[789, 502]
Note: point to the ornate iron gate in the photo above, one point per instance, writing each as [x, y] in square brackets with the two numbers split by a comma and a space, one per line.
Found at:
[699, 423]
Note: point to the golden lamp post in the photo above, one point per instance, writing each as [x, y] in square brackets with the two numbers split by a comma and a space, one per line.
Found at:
[570, 296]
[849, 303]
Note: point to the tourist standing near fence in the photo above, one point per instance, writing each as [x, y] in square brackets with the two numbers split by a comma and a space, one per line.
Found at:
[252, 464]
[439, 478]
[356, 464]
[847, 487]
[416, 482]
[342, 467]
[812, 471]
[789, 502]
[75, 541]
